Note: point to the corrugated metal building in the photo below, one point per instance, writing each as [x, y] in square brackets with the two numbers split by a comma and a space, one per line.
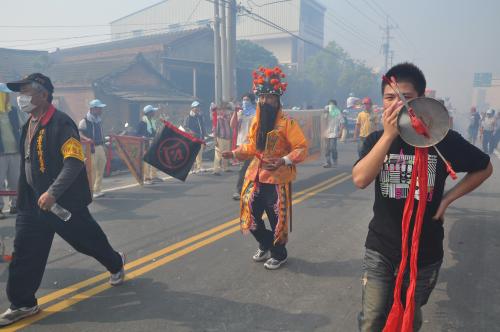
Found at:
[304, 18]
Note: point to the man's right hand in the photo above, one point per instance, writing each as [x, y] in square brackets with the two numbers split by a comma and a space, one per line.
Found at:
[390, 119]
[227, 154]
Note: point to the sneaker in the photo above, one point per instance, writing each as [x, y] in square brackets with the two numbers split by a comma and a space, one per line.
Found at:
[13, 315]
[2, 216]
[236, 196]
[148, 182]
[117, 278]
[260, 255]
[327, 165]
[13, 210]
[274, 264]
[97, 195]
[216, 173]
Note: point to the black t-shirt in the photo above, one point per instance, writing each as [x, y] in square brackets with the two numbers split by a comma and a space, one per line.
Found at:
[392, 186]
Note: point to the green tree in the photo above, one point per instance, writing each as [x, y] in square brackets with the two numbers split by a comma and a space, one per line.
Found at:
[335, 74]
[250, 55]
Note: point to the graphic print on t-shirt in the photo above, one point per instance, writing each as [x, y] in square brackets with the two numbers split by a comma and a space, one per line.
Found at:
[395, 176]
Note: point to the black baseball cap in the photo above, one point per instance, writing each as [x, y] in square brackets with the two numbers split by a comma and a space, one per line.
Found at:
[35, 77]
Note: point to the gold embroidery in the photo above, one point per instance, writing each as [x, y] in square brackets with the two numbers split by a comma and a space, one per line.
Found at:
[72, 148]
[271, 141]
[39, 148]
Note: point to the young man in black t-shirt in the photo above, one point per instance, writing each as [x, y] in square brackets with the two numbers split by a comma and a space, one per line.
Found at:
[388, 160]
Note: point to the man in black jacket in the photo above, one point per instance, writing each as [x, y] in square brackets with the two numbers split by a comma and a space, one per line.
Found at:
[52, 170]
[9, 147]
[194, 125]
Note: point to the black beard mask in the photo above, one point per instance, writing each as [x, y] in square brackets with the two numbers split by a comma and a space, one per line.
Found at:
[267, 121]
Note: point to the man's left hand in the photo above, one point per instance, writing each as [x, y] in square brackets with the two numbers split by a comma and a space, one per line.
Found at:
[271, 164]
[441, 210]
[46, 201]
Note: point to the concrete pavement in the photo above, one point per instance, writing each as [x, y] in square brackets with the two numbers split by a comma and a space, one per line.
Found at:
[209, 282]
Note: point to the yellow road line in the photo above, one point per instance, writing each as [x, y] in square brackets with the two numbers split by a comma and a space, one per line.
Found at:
[75, 287]
[64, 304]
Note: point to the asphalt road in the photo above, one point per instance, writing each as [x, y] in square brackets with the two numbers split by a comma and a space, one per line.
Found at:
[190, 268]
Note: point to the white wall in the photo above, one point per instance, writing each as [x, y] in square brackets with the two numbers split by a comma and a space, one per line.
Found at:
[285, 14]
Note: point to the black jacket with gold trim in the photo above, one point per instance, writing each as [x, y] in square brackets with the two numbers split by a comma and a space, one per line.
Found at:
[56, 139]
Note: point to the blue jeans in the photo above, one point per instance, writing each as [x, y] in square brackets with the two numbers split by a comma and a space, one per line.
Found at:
[379, 277]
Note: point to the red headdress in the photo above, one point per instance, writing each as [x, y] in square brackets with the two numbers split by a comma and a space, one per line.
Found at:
[269, 81]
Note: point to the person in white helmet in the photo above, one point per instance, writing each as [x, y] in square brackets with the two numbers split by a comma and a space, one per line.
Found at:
[489, 127]
[90, 128]
[147, 128]
[194, 125]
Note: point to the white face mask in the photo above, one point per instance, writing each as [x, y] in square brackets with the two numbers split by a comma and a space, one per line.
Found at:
[25, 104]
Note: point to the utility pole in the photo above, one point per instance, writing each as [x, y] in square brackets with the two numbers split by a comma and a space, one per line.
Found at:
[224, 62]
[231, 49]
[217, 55]
[386, 46]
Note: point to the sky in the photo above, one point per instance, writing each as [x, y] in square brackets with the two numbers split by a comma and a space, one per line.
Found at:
[448, 39]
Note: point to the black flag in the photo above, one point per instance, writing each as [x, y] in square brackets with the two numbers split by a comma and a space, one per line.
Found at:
[173, 151]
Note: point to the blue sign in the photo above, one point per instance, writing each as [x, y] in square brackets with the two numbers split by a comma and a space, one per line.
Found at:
[482, 80]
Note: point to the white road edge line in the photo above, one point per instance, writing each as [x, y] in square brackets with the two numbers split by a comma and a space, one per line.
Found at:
[137, 184]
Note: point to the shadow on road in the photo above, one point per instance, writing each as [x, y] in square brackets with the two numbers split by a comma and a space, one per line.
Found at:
[145, 299]
[350, 268]
[472, 282]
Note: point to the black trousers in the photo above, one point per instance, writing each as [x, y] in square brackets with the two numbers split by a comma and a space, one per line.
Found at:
[34, 235]
[265, 200]
[241, 175]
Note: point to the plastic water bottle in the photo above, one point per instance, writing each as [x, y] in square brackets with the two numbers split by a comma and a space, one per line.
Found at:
[61, 212]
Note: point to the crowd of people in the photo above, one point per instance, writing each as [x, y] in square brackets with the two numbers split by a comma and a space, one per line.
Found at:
[269, 145]
[484, 128]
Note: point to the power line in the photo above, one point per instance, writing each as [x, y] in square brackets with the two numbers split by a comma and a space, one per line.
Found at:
[345, 27]
[375, 10]
[362, 13]
[194, 10]
[44, 41]
[399, 30]
[341, 23]
[267, 4]
[263, 20]
[78, 25]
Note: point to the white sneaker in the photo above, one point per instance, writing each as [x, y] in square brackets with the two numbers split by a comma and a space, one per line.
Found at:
[117, 278]
[274, 264]
[261, 255]
[97, 195]
[13, 315]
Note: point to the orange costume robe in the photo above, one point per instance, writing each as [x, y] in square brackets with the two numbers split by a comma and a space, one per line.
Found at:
[286, 140]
